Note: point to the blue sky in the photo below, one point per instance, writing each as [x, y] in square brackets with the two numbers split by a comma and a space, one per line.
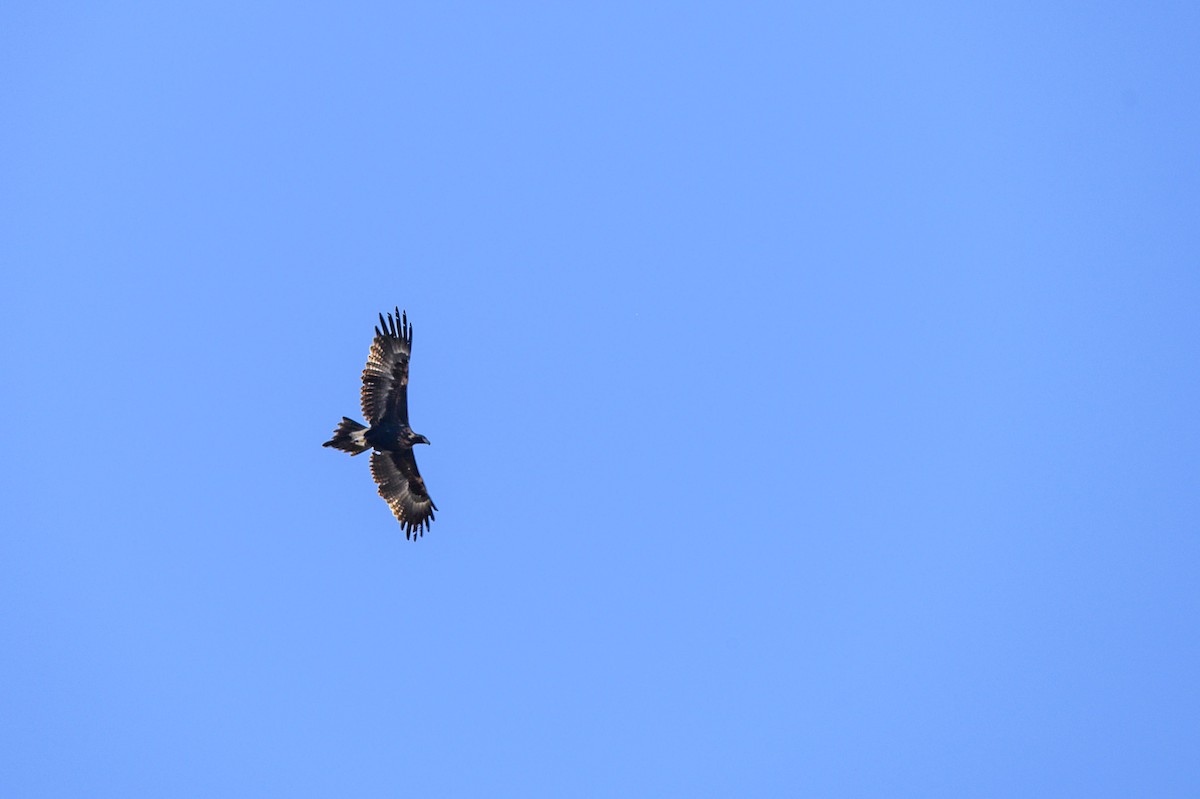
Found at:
[812, 391]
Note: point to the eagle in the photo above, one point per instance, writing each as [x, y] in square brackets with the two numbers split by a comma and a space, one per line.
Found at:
[385, 405]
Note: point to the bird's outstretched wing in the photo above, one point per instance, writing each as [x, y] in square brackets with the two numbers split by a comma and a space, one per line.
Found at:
[385, 378]
[401, 486]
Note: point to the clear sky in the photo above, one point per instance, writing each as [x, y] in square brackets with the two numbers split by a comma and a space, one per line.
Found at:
[813, 393]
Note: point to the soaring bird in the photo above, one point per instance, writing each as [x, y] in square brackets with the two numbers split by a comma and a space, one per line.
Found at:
[385, 405]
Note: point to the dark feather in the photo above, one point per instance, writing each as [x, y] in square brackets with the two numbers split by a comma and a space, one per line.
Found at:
[387, 433]
[401, 486]
[385, 378]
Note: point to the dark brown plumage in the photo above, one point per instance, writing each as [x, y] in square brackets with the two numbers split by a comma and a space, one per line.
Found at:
[385, 406]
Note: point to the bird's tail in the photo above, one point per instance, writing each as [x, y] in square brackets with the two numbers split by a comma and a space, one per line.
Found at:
[349, 436]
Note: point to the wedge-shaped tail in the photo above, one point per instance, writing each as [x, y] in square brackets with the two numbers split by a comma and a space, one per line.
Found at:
[349, 436]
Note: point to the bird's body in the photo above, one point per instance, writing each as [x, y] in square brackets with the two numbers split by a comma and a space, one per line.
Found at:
[387, 434]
